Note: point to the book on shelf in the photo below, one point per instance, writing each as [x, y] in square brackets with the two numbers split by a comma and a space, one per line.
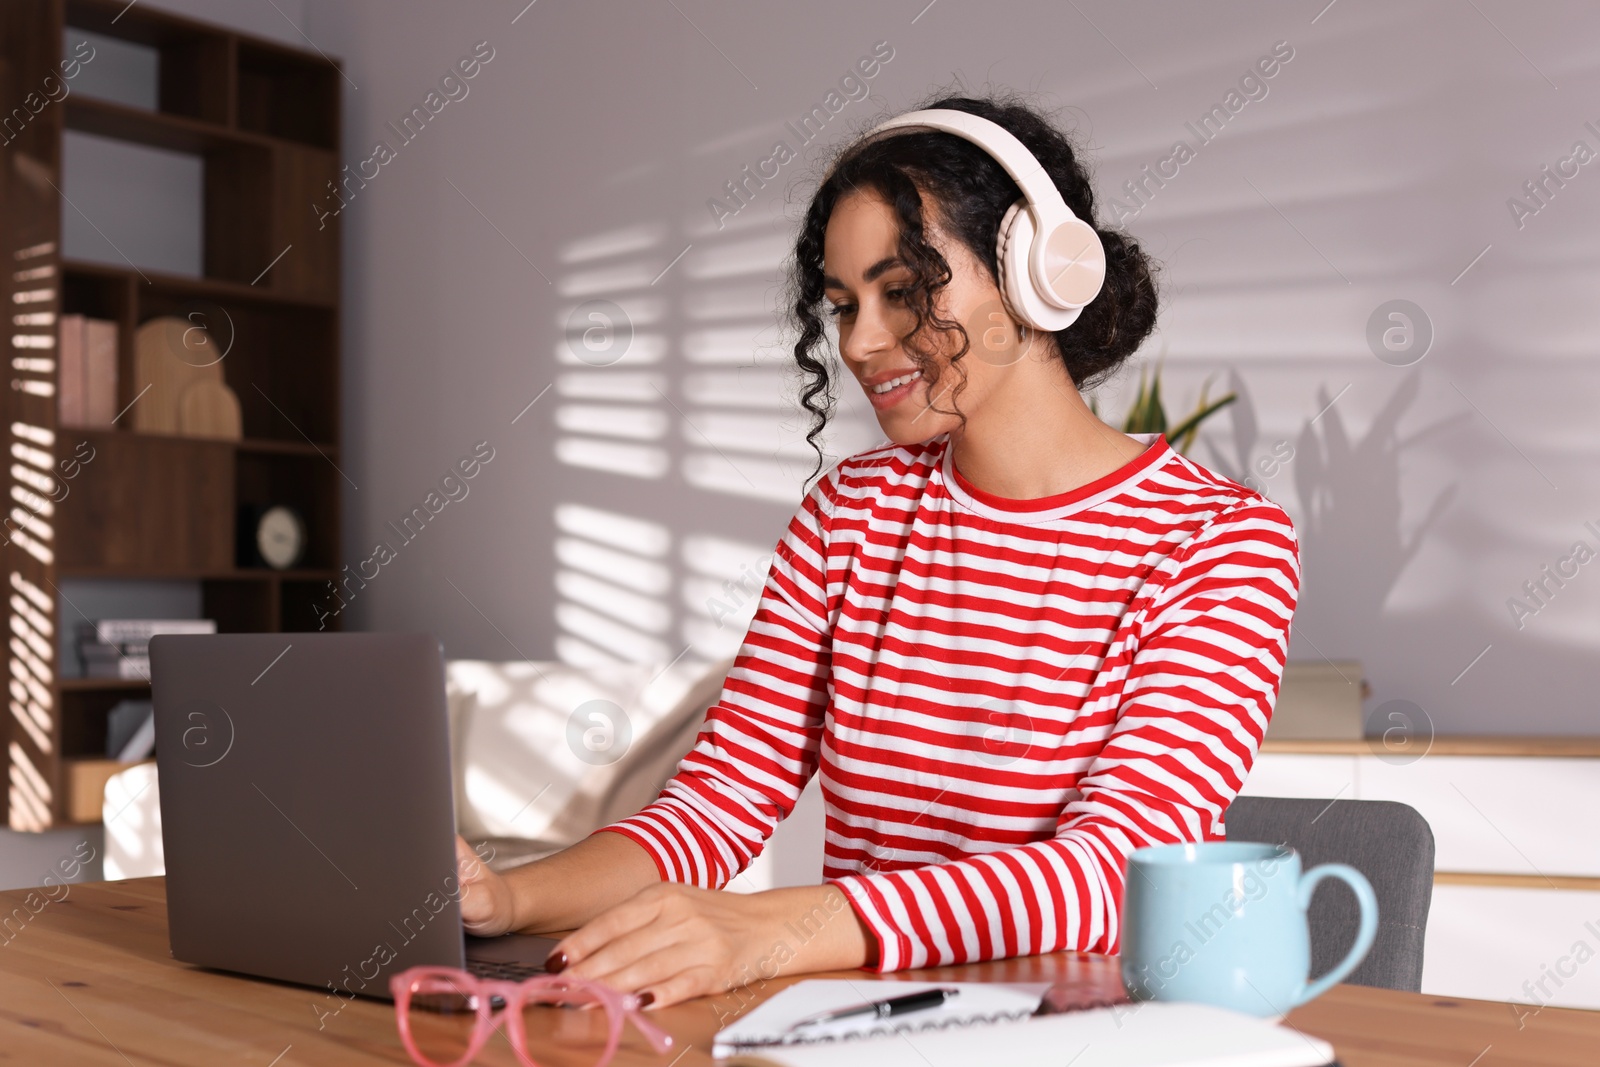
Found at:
[87, 351]
[99, 372]
[69, 351]
[140, 631]
[120, 648]
[110, 661]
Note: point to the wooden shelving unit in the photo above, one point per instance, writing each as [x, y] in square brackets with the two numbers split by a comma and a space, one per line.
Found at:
[265, 121]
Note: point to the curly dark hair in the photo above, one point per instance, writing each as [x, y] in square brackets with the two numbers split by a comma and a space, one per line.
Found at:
[970, 193]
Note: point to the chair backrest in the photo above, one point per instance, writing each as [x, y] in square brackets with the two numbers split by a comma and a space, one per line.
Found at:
[1390, 843]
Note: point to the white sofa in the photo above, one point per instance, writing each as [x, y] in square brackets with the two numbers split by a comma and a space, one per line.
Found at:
[543, 754]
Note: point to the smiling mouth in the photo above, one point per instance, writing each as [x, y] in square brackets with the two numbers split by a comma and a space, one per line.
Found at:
[885, 394]
[893, 383]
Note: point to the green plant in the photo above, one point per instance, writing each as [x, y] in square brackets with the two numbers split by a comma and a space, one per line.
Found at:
[1148, 415]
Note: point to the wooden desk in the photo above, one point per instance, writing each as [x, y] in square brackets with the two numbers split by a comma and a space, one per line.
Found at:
[89, 980]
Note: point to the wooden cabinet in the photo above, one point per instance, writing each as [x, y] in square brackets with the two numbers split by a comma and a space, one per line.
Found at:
[1515, 914]
[1501, 815]
[147, 505]
[263, 121]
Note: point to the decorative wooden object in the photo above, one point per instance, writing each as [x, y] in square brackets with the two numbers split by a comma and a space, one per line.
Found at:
[209, 409]
[168, 368]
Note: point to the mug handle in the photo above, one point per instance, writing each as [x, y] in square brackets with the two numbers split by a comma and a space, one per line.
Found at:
[1364, 935]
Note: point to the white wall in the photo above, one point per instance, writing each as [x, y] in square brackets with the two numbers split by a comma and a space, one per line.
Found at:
[1377, 167]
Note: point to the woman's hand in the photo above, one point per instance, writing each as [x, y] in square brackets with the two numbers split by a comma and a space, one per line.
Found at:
[487, 904]
[671, 942]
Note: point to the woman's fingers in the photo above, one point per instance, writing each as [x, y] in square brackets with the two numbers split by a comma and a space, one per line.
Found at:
[675, 972]
[645, 907]
[670, 941]
[485, 898]
[616, 963]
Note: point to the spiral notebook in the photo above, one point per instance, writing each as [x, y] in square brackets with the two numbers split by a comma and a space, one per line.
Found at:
[1148, 1035]
[768, 1024]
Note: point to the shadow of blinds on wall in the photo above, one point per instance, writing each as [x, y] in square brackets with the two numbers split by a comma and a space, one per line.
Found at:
[612, 580]
[32, 491]
[720, 587]
[610, 414]
[675, 386]
[613, 574]
[739, 420]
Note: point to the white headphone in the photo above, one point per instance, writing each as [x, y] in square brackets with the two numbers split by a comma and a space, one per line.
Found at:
[1052, 263]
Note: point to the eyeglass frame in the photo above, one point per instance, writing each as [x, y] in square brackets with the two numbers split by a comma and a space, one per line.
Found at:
[619, 1008]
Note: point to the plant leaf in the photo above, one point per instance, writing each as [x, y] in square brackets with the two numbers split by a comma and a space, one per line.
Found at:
[1135, 409]
[1183, 435]
[1158, 413]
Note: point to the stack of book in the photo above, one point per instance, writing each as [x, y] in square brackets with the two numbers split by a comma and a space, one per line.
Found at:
[120, 648]
[88, 352]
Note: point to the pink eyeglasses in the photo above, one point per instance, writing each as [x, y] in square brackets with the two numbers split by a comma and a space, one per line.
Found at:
[435, 1040]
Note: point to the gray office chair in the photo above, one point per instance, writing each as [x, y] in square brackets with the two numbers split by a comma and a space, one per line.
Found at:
[1390, 843]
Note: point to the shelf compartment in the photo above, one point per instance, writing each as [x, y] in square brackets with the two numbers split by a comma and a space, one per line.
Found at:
[259, 220]
[282, 397]
[288, 94]
[97, 294]
[84, 717]
[240, 605]
[307, 484]
[237, 177]
[239, 238]
[160, 497]
[308, 606]
[194, 59]
[86, 786]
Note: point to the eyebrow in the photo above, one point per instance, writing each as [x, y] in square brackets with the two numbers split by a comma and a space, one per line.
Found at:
[872, 272]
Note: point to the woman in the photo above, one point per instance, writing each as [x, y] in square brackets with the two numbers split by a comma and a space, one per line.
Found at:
[1015, 643]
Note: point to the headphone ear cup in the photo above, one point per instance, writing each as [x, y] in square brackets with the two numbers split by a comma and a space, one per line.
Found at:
[1069, 261]
[1013, 251]
[1011, 259]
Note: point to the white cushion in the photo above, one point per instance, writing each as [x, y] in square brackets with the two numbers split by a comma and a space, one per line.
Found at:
[548, 753]
[132, 817]
[523, 776]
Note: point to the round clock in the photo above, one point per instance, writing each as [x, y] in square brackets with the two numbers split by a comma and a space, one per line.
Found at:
[280, 537]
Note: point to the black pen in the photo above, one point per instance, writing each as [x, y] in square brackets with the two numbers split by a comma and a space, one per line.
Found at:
[883, 1009]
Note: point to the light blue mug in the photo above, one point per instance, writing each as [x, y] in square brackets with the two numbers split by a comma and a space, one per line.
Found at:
[1224, 923]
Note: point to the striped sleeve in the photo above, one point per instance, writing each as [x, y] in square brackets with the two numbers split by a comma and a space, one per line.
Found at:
[1201, 686]
[758, 746]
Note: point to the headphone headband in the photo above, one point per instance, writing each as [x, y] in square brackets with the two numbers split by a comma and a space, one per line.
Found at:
[993, 138]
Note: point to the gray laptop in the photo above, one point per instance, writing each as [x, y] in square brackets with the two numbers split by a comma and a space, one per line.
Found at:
[307, 810]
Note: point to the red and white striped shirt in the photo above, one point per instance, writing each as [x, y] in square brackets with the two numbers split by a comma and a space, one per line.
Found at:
[1004, 698]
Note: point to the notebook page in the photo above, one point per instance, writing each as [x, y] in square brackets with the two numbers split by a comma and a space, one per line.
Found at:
[769, 1022]
[1149, 1035]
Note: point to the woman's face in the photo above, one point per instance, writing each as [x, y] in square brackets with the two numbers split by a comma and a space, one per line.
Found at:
[865, 284]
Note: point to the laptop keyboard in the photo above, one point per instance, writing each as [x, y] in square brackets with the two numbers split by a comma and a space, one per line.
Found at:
[510, 972]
